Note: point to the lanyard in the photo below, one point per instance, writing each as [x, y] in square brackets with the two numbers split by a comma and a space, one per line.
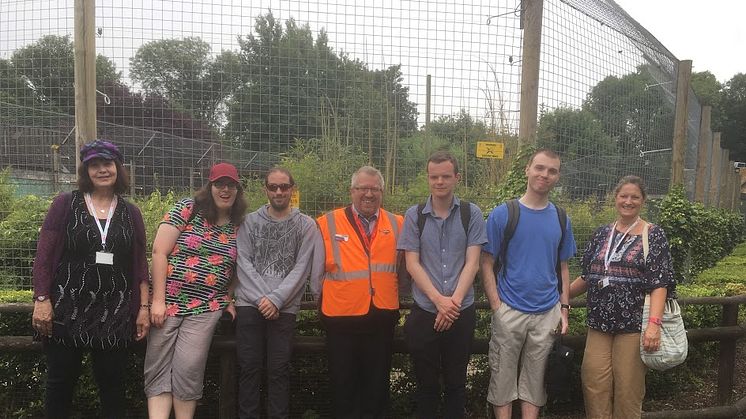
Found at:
[92, 208]
[607, 256]
[366, 241]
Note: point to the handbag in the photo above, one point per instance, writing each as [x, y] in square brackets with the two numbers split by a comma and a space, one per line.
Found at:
[558, 374]
[674, 345]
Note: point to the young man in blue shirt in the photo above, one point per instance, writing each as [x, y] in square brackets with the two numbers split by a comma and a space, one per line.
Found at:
[442, 255]
[526, 303]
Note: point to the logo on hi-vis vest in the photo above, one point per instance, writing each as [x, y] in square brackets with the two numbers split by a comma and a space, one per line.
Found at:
[385, 231]
[341, 237]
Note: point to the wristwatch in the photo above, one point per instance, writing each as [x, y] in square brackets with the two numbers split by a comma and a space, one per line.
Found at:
[41, 298]
[567, 306]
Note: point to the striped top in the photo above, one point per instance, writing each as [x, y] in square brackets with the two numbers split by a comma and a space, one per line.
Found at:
[201, 264]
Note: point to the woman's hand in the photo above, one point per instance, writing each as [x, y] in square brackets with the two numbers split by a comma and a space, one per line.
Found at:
[41, 320]
[143, 322]
[231, 309]
[158, 313]
[651, 339]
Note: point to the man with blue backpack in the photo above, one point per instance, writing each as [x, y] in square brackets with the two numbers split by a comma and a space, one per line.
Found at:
[442, 241]
[526, 280]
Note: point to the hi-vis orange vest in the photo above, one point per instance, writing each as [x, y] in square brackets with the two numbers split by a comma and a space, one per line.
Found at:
[354, 275]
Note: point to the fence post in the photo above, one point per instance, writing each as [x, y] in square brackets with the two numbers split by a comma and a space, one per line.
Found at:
[531, 15]
[723, 195]
[85, 74]
[133, 188]
[56, 168]
[727, 358]
[684, 75]
[703, 158]
[715, 170]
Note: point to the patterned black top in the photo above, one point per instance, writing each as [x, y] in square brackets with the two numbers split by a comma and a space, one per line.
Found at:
[617, 308]
[92, 301]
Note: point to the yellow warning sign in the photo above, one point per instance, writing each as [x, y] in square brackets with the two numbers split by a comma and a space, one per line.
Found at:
[295, 199]
[490, 150]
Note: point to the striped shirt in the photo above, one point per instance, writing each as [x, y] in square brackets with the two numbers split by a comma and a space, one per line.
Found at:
[201, 263]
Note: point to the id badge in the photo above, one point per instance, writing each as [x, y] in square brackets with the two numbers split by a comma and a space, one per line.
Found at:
[104, 258]
[604, 282]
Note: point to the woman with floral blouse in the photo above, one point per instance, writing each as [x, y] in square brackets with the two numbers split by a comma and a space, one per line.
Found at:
[194, 261]
[618, 276]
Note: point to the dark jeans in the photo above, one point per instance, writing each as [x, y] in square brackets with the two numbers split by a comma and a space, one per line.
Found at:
[63, 370]
[359, 366]
[434, 353]
[256, 335]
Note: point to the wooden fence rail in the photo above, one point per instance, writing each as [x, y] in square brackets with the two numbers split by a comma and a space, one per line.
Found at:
[727, 334]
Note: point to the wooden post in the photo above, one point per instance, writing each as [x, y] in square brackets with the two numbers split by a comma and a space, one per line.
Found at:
[703, 157]
[531, 15]
[85, 74]
[56, 168]
[737, 193]
[133, 188]
[428, 102]
[680, 122]
[727, 358]
[714, 170]
[723, 195]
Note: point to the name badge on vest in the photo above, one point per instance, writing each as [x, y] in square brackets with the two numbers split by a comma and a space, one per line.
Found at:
[341, 237]
[385, 231]
[104, 258]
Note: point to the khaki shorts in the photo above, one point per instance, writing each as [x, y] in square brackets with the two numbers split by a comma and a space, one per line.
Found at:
[177, 354]
[519, 347]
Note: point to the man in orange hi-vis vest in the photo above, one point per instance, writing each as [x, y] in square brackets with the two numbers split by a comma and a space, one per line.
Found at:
[359, 297]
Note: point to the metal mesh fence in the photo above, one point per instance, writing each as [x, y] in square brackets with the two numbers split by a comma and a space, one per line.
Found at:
[323, 87]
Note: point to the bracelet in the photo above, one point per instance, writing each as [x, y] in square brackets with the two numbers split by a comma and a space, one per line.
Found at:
[145, 306]
[655, 320]
[565, 306]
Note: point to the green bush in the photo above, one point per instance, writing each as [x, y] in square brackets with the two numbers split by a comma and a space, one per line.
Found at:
[19, 232]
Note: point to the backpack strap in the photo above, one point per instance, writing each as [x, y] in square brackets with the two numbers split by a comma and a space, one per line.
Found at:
[465, 212]
[645, 242]
[514, 213]
[465, 208]
[420, 218]
[562, 216]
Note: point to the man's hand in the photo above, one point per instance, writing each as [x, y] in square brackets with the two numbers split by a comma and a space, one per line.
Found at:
[41, 320]
[565, 320]
[441, 323]
[268, 309]
[142, 323]
[447, 308]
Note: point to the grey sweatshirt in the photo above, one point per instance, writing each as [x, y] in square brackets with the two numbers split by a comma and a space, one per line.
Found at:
[274, 258]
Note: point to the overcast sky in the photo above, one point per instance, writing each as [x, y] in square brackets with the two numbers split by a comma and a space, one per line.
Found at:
[710, 33]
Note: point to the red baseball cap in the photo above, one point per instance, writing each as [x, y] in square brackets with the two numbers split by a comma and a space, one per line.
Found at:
[224, 170]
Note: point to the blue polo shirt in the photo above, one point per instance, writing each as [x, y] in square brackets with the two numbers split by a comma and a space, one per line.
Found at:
[442, 248]
[529, 284]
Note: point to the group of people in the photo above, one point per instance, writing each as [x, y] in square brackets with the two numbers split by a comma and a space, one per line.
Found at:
[93, 292]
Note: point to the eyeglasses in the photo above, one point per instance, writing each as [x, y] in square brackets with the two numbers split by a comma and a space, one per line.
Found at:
[366, 190]
[231, 186]
[273, 187]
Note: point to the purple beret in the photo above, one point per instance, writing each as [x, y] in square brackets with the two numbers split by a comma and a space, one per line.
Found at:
[100, 149]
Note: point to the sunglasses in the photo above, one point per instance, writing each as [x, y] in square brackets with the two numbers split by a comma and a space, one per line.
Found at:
[219, 185]
[273, 187]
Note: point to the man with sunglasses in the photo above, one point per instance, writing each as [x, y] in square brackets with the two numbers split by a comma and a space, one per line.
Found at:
[275, 249]
[359, 297]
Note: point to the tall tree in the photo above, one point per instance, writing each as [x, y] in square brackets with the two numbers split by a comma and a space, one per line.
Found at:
[184, 72]
[709, 92]
[48, 67]
[733, 117]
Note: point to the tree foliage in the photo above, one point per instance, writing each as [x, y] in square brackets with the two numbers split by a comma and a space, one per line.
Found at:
[733, 117]
[47, 67]
[184, 72]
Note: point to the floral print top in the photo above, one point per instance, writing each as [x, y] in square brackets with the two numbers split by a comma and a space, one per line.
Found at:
[617, 307]
[201, 265]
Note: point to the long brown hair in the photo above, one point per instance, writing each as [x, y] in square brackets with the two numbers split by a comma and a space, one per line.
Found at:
[205, 205]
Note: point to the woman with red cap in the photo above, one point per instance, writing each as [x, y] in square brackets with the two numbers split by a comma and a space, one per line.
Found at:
[194, 260]
[91, 282]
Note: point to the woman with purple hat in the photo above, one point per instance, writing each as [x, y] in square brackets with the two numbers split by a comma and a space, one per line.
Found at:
[91, 282]
[194, 261]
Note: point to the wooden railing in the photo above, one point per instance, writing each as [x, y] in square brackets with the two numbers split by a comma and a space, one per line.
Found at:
[727, 334]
